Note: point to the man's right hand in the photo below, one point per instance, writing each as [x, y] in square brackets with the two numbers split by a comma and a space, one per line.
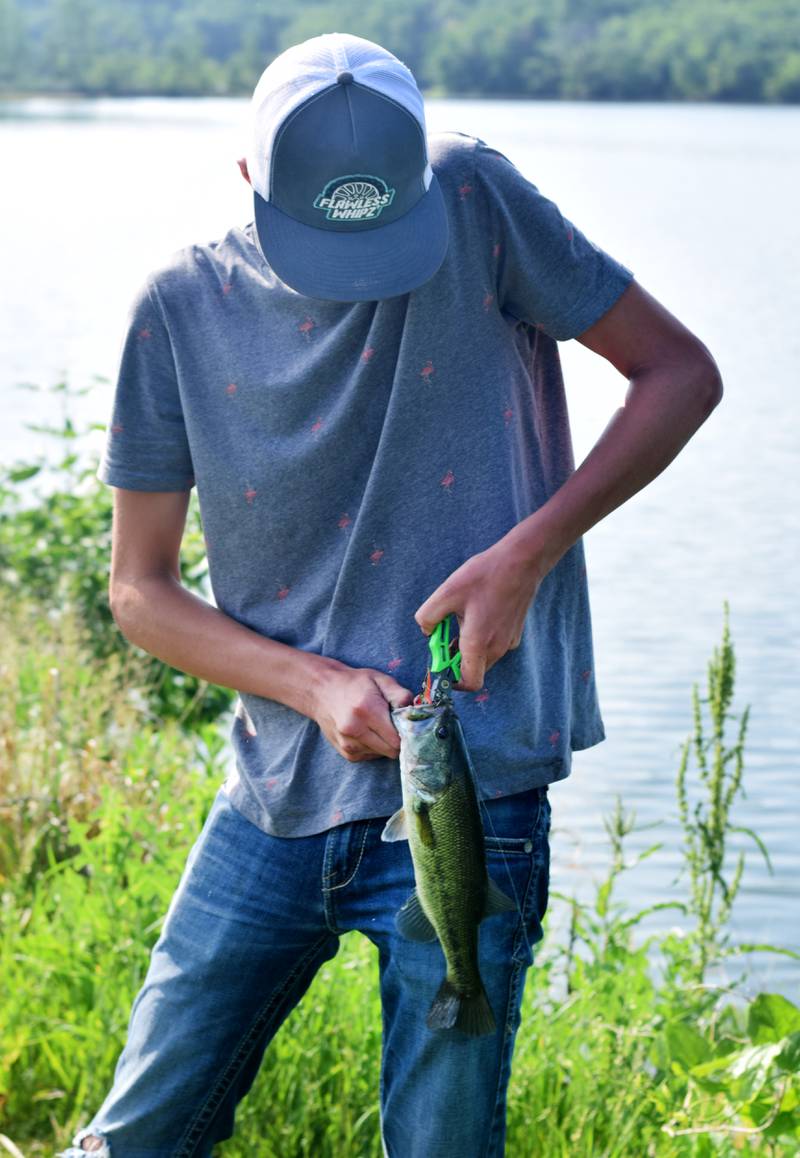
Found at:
[352, 706]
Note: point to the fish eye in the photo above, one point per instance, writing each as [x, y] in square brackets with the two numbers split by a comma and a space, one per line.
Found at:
[442, 732]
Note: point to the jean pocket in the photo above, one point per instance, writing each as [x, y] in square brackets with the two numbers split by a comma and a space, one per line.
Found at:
[518, 861]
[512, 822]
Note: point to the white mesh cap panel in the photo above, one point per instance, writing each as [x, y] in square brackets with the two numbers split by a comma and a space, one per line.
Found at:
[305, 70]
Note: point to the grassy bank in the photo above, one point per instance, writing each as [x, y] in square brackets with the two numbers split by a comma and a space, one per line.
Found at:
[106, 775]
[99, 807]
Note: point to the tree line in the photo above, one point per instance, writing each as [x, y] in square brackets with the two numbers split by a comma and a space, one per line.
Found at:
[671, 50]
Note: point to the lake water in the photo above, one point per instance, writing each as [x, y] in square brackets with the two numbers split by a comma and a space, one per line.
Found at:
[701, 203]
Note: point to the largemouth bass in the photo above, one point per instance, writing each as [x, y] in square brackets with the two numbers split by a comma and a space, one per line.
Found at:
[441, 820]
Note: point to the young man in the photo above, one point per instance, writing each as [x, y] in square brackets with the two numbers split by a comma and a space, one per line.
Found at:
[364, 385]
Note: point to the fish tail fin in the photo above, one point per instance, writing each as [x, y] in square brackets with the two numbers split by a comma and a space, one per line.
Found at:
[469, 1012]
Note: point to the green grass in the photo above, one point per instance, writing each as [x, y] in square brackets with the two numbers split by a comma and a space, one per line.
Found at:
[109, 763]
[99, 805]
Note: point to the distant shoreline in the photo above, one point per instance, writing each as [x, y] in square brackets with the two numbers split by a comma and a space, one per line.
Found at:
[730, 52]
[10, 97]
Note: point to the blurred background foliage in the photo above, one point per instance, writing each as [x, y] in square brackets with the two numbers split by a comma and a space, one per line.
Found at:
[55, 549]
[722, 50]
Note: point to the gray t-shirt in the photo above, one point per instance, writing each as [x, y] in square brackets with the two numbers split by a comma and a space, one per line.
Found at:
[349, 456]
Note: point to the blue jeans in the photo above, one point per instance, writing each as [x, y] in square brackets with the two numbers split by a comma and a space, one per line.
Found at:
[253, 918]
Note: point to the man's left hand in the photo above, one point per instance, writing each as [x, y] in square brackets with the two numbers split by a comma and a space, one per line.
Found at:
[490, 595]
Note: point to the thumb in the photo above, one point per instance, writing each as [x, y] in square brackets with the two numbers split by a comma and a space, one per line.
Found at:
[394, 693]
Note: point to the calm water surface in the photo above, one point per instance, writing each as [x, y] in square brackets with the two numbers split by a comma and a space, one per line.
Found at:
[700, 202]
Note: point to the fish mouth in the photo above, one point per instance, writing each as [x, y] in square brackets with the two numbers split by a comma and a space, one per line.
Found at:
[411, 720]
[416, 712]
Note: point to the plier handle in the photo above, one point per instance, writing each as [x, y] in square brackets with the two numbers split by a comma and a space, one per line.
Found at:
[445, 665]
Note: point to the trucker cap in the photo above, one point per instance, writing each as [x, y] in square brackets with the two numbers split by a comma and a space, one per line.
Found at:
[347, 207]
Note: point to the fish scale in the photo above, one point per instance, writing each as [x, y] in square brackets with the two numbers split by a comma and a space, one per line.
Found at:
[454, 882]
[441, 820]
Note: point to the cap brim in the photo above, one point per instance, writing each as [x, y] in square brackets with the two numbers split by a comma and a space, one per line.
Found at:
[356, 266]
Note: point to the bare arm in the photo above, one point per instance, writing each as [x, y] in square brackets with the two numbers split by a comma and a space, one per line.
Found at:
[156, 612]
[674, 384]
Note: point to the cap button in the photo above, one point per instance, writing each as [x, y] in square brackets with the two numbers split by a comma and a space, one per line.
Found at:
[345, 78]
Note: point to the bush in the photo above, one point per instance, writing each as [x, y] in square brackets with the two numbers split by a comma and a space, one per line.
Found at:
[55, 550]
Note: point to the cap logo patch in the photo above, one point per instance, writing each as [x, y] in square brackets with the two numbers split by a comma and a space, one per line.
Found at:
[356, 197]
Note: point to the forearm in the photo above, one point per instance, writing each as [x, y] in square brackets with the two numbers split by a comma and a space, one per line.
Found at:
[664, 407]
[160, 615]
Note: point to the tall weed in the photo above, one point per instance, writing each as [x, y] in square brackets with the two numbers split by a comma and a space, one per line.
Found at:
[107, 771]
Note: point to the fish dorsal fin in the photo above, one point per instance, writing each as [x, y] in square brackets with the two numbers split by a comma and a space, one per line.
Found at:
[412, 921]
[396, 827]
[497, 901]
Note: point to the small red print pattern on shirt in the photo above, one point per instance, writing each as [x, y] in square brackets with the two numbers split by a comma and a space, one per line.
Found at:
[508, 415]
[283, 592]
[226, 289]
[344, 521]
[487, 302]
[426, 370]
[337, 817]
[464, 190]
[273, 780]
[144, 334]
[554, 737]
[368, 353]
[586, 675]
[448, 480]
[376, 556]
[250, 494]
[395, 663]
[307, 326]
[117, 428]
[231, 389]
[317, 426]
[568, 228]
[496, 249]
[482, 697]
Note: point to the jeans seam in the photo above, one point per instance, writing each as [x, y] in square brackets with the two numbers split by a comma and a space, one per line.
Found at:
[506, 1054]
[327, 876]
[331, 888]
[187, 1143]
[327, 900]
[524, 915]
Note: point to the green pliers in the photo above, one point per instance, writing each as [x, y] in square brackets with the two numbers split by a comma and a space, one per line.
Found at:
[445, 666]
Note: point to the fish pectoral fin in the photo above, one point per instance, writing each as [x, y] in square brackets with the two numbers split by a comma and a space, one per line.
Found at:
[497, 901]
[422, 811]
[412, 921]
[396, 827]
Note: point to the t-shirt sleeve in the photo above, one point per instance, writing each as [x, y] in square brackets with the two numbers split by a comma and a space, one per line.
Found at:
[146, 445]
[549, 273]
